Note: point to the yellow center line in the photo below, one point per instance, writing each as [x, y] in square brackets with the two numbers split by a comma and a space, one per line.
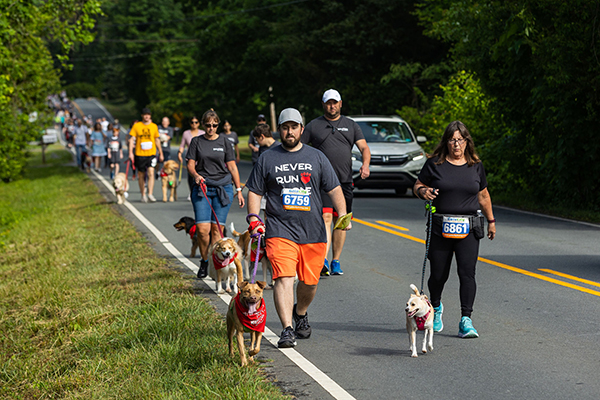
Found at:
[392, 226]
[504, 266]
[388, 230]
[573, 278]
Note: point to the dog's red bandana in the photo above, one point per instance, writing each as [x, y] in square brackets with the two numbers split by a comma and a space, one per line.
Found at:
[223, 263]
[261, 252]
[163, 173]
[421, 320]
[252, 318]
[192, 231]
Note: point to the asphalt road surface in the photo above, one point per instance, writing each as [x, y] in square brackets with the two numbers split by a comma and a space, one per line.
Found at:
[537, 307]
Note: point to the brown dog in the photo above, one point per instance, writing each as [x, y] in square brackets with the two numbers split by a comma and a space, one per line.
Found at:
[245, 242]
[169, 180]
[247, 312]
[189, 224]
[225, 263]
[121, 186]
[419, 316]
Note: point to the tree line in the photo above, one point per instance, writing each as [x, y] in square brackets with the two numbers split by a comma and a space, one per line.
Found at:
[523, 75]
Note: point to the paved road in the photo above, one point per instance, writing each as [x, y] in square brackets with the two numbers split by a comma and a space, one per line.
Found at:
[539, 330]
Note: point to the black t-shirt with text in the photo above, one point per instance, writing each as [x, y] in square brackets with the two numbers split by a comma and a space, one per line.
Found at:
[335, 139]
[211, 156]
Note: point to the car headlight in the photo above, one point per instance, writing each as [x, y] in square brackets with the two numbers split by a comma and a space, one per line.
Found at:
[416, 155]
[356, 157]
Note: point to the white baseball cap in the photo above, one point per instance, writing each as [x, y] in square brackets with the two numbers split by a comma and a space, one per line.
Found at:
[331, 94]
[290, 114]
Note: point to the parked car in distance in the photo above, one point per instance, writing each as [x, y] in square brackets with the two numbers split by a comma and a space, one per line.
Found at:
[396, 156]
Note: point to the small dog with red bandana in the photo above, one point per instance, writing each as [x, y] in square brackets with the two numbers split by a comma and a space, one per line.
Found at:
[247, 313]
[225, 264]
[419, 316]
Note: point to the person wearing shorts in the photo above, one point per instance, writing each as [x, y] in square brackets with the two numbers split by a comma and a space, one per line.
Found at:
[335, 135]
[211, 163]
[292, 177]
[147, 143]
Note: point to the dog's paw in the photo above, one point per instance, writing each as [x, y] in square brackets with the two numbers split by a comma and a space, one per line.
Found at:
[228, 290]
[414, 355]
[220, 291]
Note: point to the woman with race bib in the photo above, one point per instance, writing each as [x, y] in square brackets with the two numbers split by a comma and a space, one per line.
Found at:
[454, 179]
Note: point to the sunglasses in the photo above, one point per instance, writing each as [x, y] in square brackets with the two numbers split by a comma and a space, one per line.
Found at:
[211, 125]
[194, 122]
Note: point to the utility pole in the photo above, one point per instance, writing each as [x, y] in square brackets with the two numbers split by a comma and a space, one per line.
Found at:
[272, 109]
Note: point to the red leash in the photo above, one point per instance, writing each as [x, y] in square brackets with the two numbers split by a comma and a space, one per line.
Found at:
[203, 187]
[127, 169]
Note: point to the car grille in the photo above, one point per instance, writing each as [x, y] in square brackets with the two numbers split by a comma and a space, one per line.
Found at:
[388, 160]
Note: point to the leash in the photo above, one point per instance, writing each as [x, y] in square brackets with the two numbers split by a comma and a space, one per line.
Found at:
[180, 171]
[203, 188]
[256, 236]
[127, 169]
[429, 211]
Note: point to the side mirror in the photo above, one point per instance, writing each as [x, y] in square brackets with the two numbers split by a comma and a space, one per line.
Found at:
[421, 139]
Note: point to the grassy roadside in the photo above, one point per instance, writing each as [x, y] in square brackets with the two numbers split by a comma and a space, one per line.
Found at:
[88, 310]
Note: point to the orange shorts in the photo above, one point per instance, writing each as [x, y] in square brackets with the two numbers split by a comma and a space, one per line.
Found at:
[289, 258]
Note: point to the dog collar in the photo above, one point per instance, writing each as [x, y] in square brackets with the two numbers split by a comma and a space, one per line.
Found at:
[222, 263]
[254, 321]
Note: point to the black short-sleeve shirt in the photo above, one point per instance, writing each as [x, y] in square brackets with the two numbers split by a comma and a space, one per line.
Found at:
[293, 183]
[335, 139]
[458, 186]
[211, 156]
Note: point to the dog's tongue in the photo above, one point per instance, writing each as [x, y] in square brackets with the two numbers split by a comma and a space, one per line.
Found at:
[251, 308]
[227, 261]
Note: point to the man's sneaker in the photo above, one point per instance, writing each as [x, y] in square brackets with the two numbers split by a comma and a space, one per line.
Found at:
[325, 270]
[203, 269]
[287, 338]
[144, 199]
[438, 325]
[335, 268]
[466, 330]
[303, 329]
[189, 198]
[151, 198]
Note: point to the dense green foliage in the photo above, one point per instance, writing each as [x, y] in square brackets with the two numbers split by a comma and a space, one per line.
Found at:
[27, 73]
[185, 57]
[539, 60]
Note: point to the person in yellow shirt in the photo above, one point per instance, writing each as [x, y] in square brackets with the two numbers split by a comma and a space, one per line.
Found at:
[144, 158]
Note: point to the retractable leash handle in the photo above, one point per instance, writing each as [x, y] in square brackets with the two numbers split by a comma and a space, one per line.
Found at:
[256, 236]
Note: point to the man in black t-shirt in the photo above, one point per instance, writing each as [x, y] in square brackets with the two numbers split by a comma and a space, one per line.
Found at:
[335, 135]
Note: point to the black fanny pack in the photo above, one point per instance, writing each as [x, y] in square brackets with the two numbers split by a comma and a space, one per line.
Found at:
[476, 224]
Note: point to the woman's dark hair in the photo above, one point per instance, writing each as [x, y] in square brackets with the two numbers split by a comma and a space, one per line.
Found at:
[441, 151]
[98, 126]
[262, 130]
[210, 114]
[194, 117]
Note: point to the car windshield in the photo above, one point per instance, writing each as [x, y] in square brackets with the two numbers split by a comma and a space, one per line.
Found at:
[385, 131]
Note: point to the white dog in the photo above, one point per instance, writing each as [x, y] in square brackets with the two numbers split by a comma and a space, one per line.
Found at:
[121, 186]
[419, 316]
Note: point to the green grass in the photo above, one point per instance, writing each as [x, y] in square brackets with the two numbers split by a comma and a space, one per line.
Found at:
[89, 310]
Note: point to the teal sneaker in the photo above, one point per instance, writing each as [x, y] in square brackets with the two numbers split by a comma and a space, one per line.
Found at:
[466, 330]
[335, 268]
[325, 270]
[438, 325]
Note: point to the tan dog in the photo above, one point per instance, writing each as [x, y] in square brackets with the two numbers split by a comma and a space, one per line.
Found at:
[169, 179]
[247, 313]
[121, 185]
[419, 316]
[225, 263]
[245, 241]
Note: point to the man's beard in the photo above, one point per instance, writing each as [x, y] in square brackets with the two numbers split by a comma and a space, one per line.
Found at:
[290, 145]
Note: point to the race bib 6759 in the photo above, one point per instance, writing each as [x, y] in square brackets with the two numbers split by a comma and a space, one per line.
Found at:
[296, 199]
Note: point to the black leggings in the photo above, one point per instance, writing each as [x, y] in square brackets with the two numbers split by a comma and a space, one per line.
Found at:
[440, 255]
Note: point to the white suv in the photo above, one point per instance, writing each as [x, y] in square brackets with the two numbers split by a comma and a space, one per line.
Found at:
[396, 156]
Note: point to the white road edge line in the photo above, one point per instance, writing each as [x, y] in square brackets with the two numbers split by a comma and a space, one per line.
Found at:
[319, 376]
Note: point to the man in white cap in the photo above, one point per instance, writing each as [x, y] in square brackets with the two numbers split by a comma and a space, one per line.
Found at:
[292, 177]
[335, 135]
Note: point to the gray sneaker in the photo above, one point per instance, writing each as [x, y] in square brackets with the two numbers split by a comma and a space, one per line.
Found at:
[144, 199]
[287, 338]
[303, 329]
[151, 198]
